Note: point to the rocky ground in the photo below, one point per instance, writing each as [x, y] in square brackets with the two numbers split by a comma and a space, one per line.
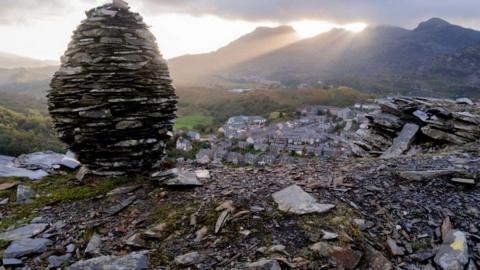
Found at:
[403, 213]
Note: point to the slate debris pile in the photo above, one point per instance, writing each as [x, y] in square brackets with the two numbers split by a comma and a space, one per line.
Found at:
[112, 101]
[403, 121]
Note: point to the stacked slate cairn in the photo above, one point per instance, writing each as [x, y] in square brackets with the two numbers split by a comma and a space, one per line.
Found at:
[112, 100]
[406, 123]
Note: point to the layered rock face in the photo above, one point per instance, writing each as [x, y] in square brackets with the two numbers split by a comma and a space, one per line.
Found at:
[404, 121]
[112, 101]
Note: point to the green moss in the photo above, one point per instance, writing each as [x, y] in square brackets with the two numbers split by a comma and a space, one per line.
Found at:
[175, 215]
[161, 256]
[57, 188]
[3, 244]
[421, 244]
[338, 220]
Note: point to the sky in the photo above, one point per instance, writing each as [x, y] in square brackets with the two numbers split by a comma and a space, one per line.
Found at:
[42, 28]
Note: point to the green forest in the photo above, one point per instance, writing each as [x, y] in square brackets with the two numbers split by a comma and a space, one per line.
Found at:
[25, 128]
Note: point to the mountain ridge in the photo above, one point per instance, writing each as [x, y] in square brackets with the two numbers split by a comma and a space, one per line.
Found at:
[12, 61]
[383, 55]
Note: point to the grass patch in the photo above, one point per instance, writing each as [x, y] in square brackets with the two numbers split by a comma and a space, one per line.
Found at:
[191, 121]
[53, 189]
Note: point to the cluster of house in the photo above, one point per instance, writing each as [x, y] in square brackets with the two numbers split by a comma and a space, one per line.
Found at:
[321, 132]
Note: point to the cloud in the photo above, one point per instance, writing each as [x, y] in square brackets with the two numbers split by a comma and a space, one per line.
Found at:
[23, 11]
[394, 12]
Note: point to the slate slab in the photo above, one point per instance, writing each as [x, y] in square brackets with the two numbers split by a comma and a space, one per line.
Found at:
[23, 232]
[294, 199]
[133, 261]
[26, 246]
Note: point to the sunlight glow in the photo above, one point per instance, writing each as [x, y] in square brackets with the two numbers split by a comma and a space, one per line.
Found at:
[309, 28]
[355, 27]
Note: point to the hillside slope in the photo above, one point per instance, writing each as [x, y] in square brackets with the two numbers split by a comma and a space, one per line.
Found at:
[9, 60]
[192, 69]
[382, 59]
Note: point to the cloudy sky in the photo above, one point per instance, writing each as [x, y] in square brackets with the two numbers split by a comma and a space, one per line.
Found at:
[42, 28]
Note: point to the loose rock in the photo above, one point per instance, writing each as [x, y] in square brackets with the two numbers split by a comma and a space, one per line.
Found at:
[26, 246]
[133, 261]
[188, 259]
[453, 254]
[294, 199]
[27, 231]
[25, 194]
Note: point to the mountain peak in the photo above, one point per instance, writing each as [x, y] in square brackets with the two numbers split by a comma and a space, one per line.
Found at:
[283, 29]
[432, 23]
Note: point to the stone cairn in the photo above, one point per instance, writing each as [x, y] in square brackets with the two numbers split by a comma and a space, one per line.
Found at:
[112, 100]
[404, 121]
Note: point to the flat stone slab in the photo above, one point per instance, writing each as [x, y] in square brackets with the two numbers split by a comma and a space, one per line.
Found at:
[11, 262]
[26, 246]
[123, 190]
[133, 261]
[463, 181]
[184, 178]
[57, 261]
[46, 161]
[188, 259]
[9, 171]
[6, 160]
[293, 199]
[6, 186]
[425, 175]
[94, 244]
[25, 194]
[402, 142]
[122, 205]
[202, 174]
[263, 263]
[23, 232]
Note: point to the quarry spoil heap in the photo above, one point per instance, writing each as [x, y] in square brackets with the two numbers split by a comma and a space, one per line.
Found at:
[112, 101]
[404, 122]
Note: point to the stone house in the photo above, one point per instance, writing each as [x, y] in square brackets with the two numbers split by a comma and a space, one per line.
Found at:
[184, 145]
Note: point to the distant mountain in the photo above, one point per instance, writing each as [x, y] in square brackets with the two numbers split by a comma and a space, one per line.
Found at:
[9, 60]
[382, 59]
[31, 81]
[192, 69]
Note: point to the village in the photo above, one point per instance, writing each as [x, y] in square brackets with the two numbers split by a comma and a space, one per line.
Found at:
[319, 132]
